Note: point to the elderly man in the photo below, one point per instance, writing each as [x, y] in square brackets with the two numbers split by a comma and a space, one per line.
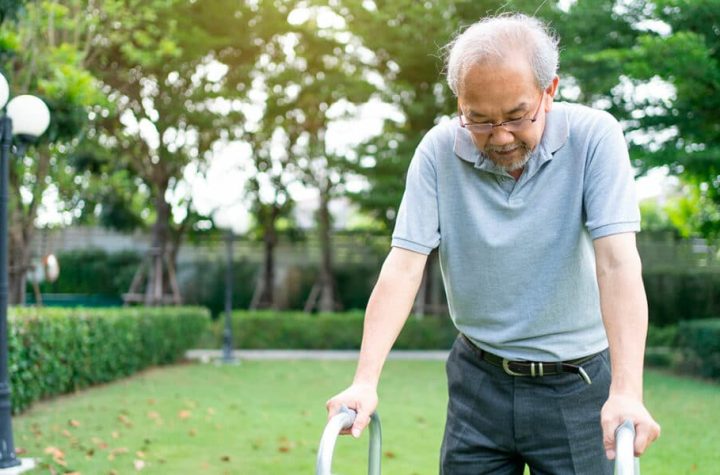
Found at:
[533, 208]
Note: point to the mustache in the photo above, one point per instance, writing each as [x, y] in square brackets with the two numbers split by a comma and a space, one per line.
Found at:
[505, 148]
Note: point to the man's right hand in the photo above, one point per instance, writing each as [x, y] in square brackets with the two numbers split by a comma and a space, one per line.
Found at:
[362, 398]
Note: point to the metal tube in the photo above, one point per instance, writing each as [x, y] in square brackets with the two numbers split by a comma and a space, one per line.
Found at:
[625, 461]
[344, 420]
[7, 447]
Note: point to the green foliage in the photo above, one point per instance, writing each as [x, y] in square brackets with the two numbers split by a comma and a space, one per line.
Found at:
[666, 336]
[680, 294]
[324, 331]
[700, 343]
[678, 131]
[94, 271]
[204, 284]
[56, 351]
[654, 217]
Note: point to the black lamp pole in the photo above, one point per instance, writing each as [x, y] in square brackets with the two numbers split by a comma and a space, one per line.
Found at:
[7, 447]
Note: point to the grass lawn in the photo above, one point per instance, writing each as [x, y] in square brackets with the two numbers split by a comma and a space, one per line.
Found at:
[267, 418]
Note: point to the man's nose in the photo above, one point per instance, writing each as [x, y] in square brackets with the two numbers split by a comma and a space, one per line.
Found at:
[500, 136]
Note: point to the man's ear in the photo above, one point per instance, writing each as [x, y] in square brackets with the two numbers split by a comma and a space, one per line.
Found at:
[551, 90]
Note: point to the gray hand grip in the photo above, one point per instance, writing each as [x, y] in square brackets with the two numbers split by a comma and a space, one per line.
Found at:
[344, 420]
[625, 461]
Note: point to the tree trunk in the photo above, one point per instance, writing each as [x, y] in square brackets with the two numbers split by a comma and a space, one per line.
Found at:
[158, 283]
[21, 225]
[326, 281]
[18, 262]
[267, 297]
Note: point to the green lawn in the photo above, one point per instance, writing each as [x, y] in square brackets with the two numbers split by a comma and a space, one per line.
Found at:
[267, 418]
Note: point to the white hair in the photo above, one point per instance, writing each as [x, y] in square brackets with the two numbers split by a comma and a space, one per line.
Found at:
[492, 38]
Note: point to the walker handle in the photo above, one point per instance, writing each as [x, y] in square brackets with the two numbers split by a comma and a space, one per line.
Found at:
[625, 461]
[344, 420]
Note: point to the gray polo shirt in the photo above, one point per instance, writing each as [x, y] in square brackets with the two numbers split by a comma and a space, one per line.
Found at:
[517, 258]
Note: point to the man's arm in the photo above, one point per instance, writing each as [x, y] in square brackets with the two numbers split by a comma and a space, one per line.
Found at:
[625, 315]
[387, 310]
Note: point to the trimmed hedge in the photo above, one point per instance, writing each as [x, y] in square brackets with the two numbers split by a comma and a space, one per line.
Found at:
[337, 331]
[56, 351]
[700, 345]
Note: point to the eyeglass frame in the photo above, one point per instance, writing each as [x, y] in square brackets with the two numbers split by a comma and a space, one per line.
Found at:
[489, 127]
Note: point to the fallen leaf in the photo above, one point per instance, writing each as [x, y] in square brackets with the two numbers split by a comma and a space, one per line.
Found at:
[389, 454]
[184, 414]
[66, 433]
[192, 432]
[115, 434]
[139, 465]
[225, 458]
[20, 451]
[285, 445]
[74, 423]
[125, 420]
[54, 452]
[140, 454]
[151, 402]
[101, 444]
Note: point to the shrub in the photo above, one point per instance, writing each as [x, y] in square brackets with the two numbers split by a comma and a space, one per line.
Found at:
[337, 331]
[700, 344]
[662, 336]
[93, 271]
[55, 351]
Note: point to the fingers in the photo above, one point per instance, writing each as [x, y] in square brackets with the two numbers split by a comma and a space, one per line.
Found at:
[608, 428]
[646, 432]
[361, 421]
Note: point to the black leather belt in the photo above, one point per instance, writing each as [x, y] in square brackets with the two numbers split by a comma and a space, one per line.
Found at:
[532, 368]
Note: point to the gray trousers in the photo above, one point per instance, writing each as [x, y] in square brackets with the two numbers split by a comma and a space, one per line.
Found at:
[497, 423]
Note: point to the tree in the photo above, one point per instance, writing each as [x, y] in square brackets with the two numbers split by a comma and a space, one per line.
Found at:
[41, 54]
[174, 70]
[676, 42]
[312, 69]
[267, 188]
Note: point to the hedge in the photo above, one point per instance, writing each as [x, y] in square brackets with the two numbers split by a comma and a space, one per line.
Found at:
[56, 351]
[337, 331]
[700, 346]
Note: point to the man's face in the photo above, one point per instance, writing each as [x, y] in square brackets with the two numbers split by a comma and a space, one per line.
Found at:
[501, 92]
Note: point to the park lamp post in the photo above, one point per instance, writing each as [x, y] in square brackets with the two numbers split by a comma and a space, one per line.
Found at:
[27, 118]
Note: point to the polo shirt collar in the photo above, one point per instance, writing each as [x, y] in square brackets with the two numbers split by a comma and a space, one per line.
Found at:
[554, 137]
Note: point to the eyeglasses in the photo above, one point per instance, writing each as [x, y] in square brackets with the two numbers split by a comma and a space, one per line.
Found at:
[516, 125]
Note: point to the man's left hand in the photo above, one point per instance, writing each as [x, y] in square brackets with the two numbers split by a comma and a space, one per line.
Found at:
[619, 408]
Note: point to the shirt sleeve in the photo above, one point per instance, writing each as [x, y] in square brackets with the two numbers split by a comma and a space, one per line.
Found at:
[417, 227]
[609, 195]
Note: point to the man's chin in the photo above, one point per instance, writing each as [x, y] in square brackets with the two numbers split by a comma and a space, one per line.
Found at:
[510, 163]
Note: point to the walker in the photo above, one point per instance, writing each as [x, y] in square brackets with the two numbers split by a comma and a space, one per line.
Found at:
[625, 462]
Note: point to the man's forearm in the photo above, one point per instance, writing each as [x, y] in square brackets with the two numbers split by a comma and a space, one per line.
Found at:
[387, 310]
[625, 315]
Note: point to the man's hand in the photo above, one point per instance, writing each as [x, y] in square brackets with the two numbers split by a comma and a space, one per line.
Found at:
[616, 410]
[362, 398]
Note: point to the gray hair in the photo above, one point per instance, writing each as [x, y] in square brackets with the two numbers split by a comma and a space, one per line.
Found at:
[493, 37]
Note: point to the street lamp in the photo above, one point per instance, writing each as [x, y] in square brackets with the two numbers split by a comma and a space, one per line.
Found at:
[26, 117]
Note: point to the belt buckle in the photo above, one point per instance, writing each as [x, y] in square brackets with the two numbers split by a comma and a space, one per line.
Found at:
[506, 368]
